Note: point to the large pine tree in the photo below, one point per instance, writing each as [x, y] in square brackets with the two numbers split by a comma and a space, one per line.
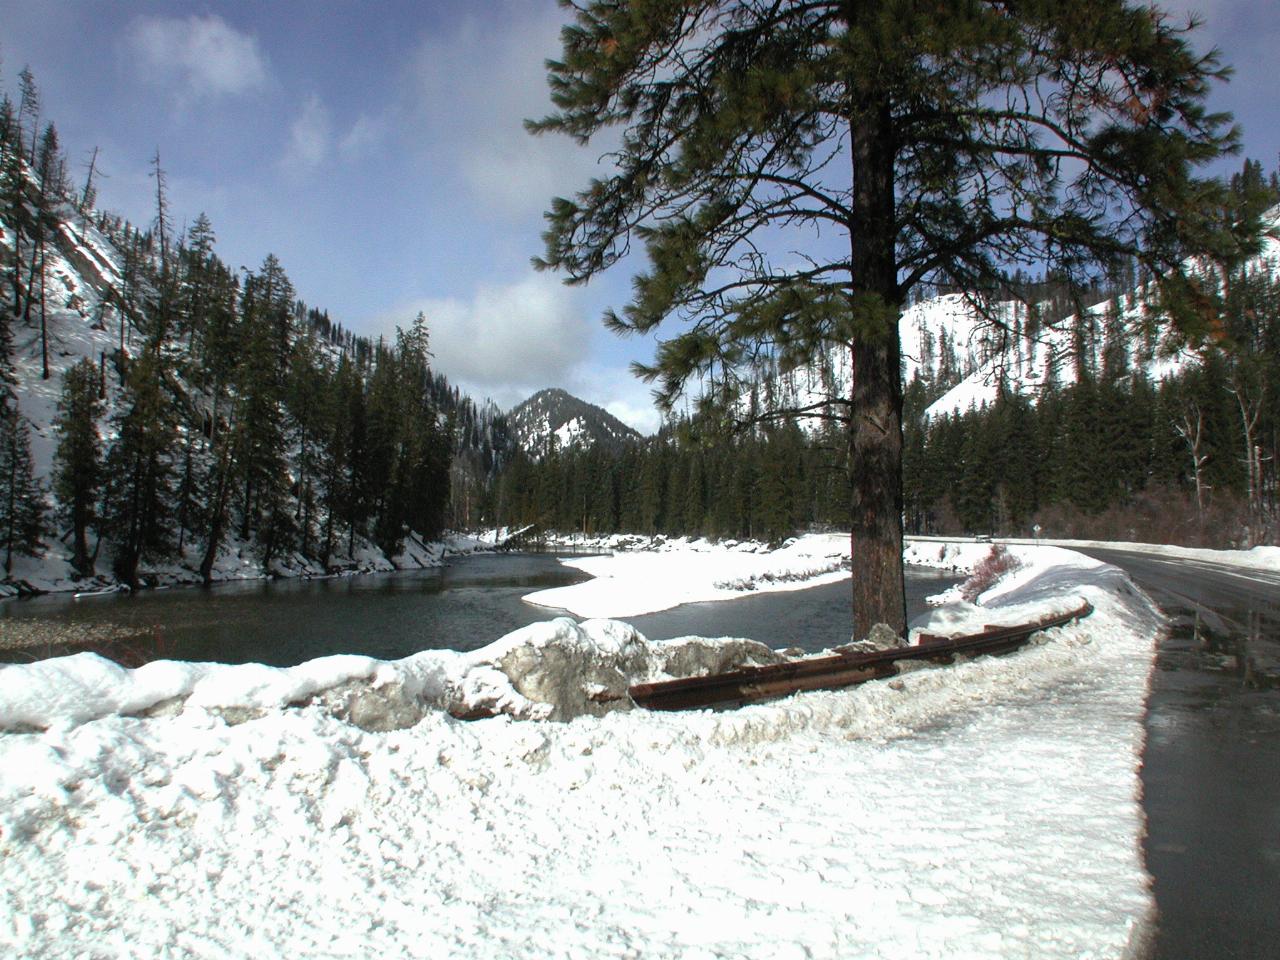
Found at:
[937, 141]
[138, 504]
[21, 500]
[77, 462]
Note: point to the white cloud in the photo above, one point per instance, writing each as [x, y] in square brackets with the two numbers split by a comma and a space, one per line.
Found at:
[310, 137]
[475, 86]
[508, 341]
[203, 55]
[642, 416]
[365, 134]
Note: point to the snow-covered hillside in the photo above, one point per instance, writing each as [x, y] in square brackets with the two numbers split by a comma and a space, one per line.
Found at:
[947, 340]
[1026, 364]
[80, 286]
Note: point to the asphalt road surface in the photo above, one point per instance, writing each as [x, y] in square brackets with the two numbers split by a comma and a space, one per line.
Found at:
[1211, 768]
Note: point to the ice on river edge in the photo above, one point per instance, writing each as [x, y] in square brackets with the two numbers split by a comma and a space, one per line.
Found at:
[985, 809]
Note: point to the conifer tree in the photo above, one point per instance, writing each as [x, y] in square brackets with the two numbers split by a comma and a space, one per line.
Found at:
[16, 214]
[942, 141]
[28, 112]
[11, 212]
[77, 462]
[137, 512]
[266, 308]
[50, 174]
[21, 499]
[305, 389]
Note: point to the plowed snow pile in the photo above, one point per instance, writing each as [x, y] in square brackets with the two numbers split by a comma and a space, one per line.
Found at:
[336, 809]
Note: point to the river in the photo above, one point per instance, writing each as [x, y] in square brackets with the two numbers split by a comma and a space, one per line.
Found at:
[465, 604]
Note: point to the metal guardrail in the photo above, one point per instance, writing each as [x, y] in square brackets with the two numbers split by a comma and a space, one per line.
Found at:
[753, 684]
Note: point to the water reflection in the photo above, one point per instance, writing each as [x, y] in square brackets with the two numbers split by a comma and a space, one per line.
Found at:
[1242, 643]
[466, 604]
[1211, 766]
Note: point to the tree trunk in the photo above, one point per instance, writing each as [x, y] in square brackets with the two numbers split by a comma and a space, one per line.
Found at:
[217, 524]
[81, 560]
[10, 525]
[875, 427]
[245, 524]
[44, 322]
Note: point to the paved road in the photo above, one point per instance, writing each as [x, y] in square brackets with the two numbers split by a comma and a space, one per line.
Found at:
[1211, 769]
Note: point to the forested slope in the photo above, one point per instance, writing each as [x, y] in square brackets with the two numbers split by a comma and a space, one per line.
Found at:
[163, 415]
[1036, 405]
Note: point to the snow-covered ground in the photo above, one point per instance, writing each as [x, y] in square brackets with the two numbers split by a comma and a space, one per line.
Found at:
[1263, 558]
[987, 809]
[668, 572]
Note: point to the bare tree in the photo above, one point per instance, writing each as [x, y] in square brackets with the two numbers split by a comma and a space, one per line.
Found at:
[1250, 393]
[1191, 429]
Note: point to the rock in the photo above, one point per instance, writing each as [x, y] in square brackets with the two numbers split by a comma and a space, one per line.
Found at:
[881, 637]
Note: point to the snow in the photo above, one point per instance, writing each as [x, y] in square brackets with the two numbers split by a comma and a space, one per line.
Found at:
[83, 324]
[986, 809]
[238, 560]
[987, 361]
[962, 551]
[671, 572]
[1260, 558]
[1026, 365]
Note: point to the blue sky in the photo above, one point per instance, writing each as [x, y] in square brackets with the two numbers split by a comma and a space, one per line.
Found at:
[377, 150]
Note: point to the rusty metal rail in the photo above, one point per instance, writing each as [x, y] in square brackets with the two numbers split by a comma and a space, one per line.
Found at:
[752, 684]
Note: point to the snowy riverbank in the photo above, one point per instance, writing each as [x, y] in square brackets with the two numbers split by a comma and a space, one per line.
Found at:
[985, 809]
[634, 576]
[53, 572]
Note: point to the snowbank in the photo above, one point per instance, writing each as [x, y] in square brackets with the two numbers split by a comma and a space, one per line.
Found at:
[1262, 558]
[985, 809]
[963, 549]
[555, 670]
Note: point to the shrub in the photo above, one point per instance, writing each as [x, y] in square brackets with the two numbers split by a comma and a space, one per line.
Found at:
[992, 567]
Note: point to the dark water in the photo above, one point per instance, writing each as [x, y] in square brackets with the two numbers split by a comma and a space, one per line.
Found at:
[466, 604]
[813, 620]
[463, 605]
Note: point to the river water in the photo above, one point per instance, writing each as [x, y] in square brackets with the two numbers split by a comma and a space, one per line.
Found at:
[463, 605]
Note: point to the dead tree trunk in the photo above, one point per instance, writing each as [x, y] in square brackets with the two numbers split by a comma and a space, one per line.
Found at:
[1191, 430]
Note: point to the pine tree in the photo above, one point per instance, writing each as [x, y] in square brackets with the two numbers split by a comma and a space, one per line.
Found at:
[12, 211]
[345, 444]
[50, 190]
[137, 512]
[21, 499]
[305, 388]
[77, 462]
[28, 112]
[259, 444]
[942, 141]
[15, 211]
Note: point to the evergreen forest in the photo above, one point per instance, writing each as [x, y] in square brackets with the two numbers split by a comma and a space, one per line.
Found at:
[204, 415]
[208, 415]
[1103, 451]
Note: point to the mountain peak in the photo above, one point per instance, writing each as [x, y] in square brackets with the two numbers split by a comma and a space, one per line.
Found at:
[555, 419]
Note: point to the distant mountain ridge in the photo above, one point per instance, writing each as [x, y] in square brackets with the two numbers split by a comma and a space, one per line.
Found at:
[554, 419]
